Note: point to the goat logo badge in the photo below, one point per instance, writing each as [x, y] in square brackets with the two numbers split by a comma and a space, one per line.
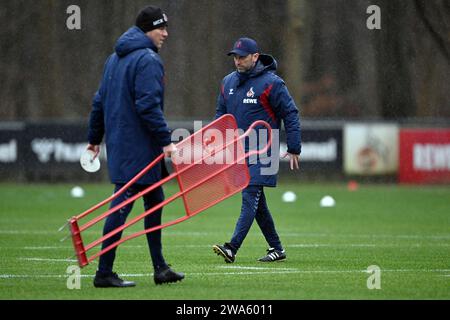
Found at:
[250, 93]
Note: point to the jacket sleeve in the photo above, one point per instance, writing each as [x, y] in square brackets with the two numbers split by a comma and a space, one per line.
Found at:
[284, 108]
[149, 93]
[221, 108]
[96, 121]
[96, 125]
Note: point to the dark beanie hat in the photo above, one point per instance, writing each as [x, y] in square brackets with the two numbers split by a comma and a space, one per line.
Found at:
[150, 18]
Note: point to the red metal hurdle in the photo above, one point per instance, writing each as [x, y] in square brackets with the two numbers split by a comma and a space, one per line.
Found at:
[203, 180]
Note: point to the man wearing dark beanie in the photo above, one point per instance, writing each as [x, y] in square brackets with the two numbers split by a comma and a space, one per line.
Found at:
[151, 18]
[127, 110]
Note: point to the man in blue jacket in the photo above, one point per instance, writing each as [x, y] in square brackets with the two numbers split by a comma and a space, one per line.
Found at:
[128, 111]
[254, 92]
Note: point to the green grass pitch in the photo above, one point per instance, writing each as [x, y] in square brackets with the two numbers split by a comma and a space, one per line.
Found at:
[405, 230]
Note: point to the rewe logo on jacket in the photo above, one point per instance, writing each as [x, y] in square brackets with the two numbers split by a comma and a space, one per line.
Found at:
[250, 94]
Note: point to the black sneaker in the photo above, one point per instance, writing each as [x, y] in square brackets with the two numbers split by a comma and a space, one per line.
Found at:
[166, 275]
[111, 281]
[273, 255]
[225, 251]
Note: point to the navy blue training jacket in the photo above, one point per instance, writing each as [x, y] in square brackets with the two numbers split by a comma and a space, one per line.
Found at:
[261, 95]
[128, 109]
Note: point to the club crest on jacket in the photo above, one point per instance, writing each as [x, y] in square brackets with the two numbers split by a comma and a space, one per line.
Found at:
[250, 93]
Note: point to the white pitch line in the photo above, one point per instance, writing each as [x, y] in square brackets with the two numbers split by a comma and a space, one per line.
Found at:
[15, 276]
[256, 268]
[33, 232]
[41, 232]
[238, 273]
[368, 245]
[287, 234]
[69, 247]
[387, 236]
[48, 259]
[45, 248]
[124, 246]
[317, 245]
[294, 245]
[202, 274]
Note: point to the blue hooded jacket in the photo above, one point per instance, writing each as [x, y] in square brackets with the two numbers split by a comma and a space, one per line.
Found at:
[128, 109]
[260, 94]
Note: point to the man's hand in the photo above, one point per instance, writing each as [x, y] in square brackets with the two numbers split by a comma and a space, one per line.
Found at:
[169, 150]
[293, 160]
[95, 149]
